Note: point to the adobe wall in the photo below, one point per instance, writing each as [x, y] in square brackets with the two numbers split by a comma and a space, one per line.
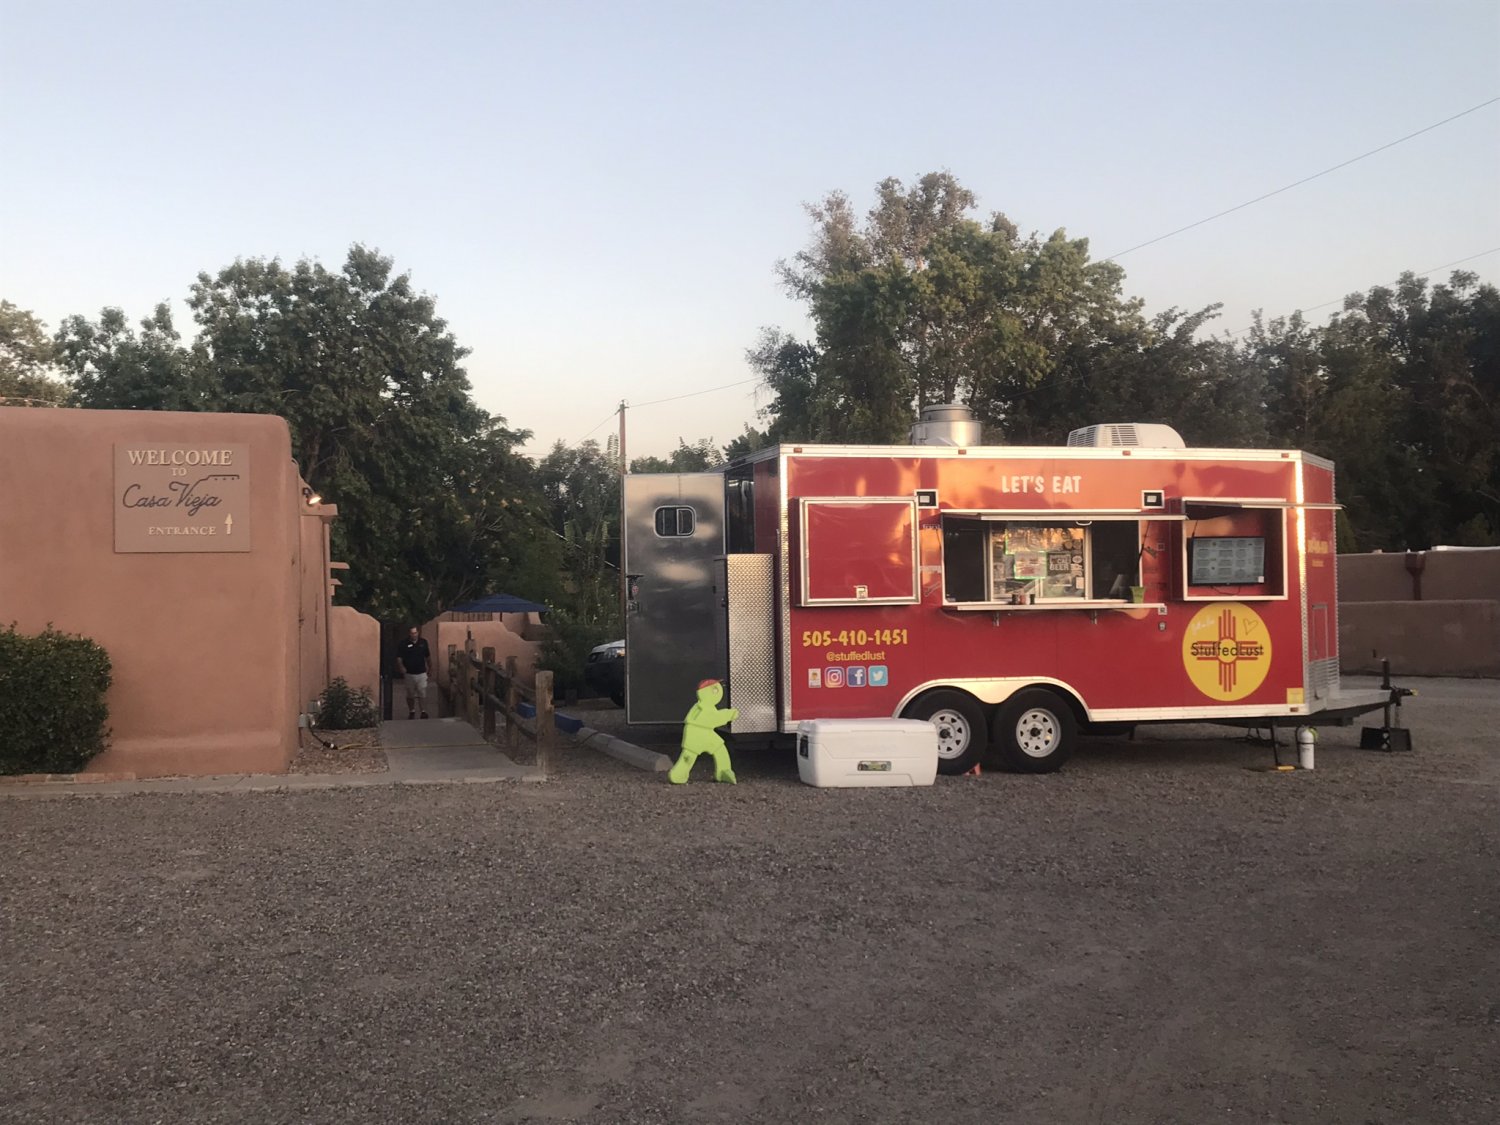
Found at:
[354, 648]
[1446, 576]
[487, 634]
[1453, 630]
[1456, 575]
[314, 596]
[204, 642]
[1374, 578]
[528, 625]
[1426, 638]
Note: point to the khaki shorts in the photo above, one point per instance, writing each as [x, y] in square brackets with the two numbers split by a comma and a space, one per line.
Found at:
[416, 685]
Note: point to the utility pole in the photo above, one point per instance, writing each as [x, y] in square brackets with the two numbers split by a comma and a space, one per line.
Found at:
[624, 471]
[624, 464]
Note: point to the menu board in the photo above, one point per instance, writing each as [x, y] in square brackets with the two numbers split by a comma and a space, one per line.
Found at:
[1228, 561]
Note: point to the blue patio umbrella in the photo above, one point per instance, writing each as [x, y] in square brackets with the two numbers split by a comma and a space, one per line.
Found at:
[499, 603]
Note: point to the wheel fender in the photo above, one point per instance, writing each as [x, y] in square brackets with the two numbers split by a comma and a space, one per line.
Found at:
[992, 691]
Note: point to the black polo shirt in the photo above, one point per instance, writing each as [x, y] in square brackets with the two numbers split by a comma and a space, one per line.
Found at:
[414, 656]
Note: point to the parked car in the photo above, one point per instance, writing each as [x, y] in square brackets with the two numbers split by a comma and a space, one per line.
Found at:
[605, 672]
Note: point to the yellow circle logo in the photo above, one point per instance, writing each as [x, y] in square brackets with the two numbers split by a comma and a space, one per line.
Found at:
[1226, 650]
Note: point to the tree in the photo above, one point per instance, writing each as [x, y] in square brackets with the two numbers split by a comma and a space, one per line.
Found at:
[1402, 390]
[748, 442]
[698, 457]
[27, 361]
[925, 304]
[436, 502]
[113, 368]
[580, 486]
[1431, 359]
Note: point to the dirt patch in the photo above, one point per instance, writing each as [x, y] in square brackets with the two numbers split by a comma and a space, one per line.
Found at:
[348, 751]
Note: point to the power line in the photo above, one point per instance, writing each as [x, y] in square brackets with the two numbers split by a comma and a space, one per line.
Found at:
[1299, 183]
[693, 394]
[601, 422]
[659, 401]
[1424, 273]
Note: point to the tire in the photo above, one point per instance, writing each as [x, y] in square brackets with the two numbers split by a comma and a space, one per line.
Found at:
[1035, 730]
[617, 698]
[963, 734]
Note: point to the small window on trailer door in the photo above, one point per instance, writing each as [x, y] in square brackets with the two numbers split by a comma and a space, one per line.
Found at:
[674, 522]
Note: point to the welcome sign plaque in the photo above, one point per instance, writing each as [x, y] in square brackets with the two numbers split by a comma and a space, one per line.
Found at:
[181, 498]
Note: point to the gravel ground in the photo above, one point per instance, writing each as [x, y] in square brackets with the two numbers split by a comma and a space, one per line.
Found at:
[1156, 934]
[339, 751]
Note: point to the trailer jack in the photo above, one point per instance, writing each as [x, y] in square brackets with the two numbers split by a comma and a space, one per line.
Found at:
[1391, 736]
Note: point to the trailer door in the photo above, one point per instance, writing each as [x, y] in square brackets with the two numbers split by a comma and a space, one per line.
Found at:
[674, 532]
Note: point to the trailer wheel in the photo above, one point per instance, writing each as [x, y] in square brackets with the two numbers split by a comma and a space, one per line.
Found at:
[1034, 731]
[963, 734]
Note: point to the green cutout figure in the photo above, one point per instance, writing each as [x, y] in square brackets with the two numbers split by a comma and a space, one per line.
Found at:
[699, 737]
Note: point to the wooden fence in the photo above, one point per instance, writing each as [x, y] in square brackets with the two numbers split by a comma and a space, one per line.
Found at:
[483, 693]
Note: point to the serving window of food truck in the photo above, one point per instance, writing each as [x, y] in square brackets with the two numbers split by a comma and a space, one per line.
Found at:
[998, 560]
[1233, 548]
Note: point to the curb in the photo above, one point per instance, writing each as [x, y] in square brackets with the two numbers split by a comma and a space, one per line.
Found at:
[619, 749]
[69, 778]
[257, 783]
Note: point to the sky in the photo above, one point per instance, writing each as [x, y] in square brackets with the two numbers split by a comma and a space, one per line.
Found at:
[597, 194]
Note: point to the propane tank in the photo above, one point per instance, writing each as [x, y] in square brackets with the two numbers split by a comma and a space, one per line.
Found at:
[1307, 739]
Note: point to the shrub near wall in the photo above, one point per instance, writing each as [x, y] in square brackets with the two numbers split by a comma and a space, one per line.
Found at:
[52, 710]
[340, 707]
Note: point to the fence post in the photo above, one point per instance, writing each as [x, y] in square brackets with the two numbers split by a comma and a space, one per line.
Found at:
[452, 680]
[512, 735]
[487, 698]
[545, 727]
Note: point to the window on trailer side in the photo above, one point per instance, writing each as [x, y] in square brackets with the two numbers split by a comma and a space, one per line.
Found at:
[739, 512]
[1233, 550]
[858, 550]
[1054, 561]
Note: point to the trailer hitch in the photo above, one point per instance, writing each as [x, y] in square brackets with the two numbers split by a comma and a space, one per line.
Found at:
[1391, 736]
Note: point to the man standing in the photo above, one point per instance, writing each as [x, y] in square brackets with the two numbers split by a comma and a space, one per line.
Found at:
[412, 663]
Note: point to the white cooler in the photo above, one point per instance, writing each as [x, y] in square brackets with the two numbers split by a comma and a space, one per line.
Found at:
[846, 753]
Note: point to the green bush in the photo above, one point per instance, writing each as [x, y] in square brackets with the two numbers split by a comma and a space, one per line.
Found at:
[570, 638]
[52, 709]
[340, 707]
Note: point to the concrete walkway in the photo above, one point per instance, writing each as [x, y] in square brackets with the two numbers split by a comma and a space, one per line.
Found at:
[446, 750]
[418, 752]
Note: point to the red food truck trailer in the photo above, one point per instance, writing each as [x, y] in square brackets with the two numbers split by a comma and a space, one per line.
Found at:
[1012, 596]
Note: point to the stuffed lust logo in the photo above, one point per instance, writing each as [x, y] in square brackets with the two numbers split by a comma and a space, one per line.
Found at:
[1226, 650]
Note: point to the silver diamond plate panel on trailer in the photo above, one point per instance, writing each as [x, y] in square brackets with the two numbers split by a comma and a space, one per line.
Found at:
[749, 599]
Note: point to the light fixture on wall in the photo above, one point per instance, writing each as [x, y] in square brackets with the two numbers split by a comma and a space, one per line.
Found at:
[310, 496]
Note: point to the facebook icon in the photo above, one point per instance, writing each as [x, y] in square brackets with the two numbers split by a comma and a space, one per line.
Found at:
[856, 676]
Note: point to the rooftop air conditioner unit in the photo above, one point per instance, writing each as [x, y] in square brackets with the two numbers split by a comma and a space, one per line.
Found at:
[1144, 435]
